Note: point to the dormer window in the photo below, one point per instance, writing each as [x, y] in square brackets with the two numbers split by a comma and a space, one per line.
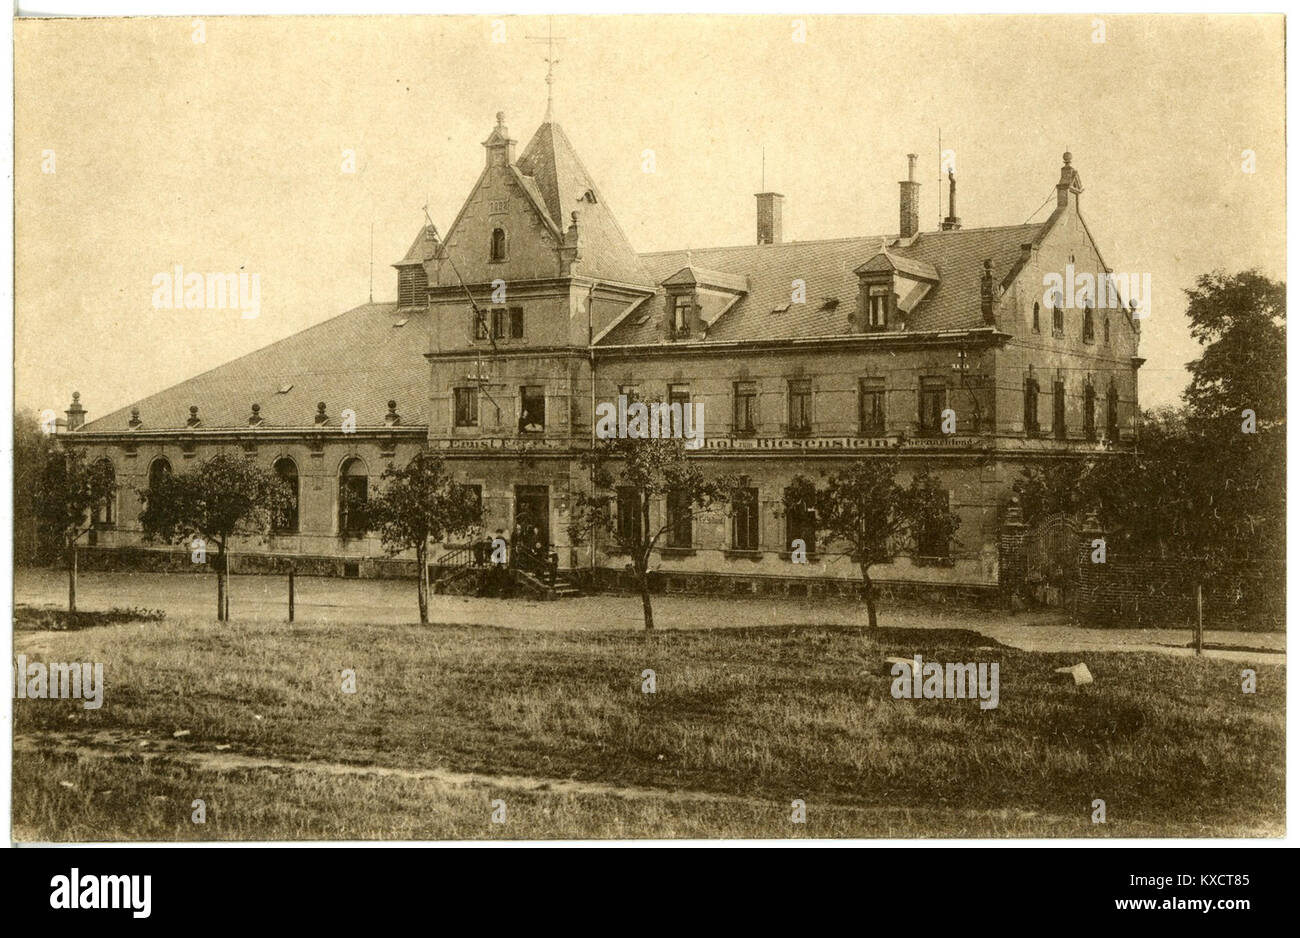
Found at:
[683, 306]
[878, 307]
[498, 244]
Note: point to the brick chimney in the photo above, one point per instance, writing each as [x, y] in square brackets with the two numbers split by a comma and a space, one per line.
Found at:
[909, 201]
[952, 222]
[769, 217]
[76, 413]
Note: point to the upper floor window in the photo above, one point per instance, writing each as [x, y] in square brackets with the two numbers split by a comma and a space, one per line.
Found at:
[801, 395]
[746, 406]
[1058, 316]
[1089, 413]
[412, 286]
[679, 394]
[683, 306]
[744, 520]
[532, 409]
[933, 400]
[1088, 334]
[499, 323]
[871, 405]
[1112, 414]
[516, 322]
[1036, 328]
[1105, 329]
[878, 306]
[465, 407]
[1031, 405]
[498, 244]
[478, 324]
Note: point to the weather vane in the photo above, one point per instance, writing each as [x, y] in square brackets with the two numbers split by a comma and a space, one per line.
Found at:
[551, 61]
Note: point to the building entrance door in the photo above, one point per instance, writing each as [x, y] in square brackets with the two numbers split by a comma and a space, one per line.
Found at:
[532, 518]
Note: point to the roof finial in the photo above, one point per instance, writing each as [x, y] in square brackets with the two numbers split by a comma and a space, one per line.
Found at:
[551, 61]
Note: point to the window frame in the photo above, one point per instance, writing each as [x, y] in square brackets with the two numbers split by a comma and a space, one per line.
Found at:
[873, 387]
[799, 389]
[745, 521]
[470, 393]
[540, 396]
[928, 387]
[746, 391]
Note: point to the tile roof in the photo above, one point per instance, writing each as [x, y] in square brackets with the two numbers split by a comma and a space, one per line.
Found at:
[359, 360]
[550, 161]
[827, 269]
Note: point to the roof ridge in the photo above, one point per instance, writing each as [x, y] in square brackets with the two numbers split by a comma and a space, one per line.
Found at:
[841, 240]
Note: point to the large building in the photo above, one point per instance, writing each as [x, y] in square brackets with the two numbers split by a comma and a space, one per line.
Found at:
[950, 349]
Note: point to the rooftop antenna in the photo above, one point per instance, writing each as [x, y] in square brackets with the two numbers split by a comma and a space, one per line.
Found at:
[551, 61]
[762, 187]
[940, 186]
[372, 262]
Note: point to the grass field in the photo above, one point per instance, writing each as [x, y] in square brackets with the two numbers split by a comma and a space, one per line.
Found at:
[445, 720]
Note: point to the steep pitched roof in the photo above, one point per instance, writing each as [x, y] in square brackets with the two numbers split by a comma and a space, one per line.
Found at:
[827, 270]
[421, 248]
[565, 186]
[360, 360]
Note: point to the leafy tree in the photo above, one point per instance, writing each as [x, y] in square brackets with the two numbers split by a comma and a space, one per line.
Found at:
[419, 503]
[225, 496]
[68, 491]
[33, 542]
[865, 507]
[646, 471]
[1240, 320]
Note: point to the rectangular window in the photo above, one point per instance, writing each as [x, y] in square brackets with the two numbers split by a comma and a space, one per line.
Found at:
[800, 405]
[532, 409]
[499, 323]
[933, 396]
[679, 519]
[352, 505]
[679, 394]
[871, 405]
[466, 407]
[629, 516]
[877, 307]
[932, 539]
[801, 524]
[1112, 415]
[1058, 409]
[746, 408]
[744, 520]
[476, 494]
[478, 324]
[1090, 414]
[516, 322]
[1031, 406]
[683, 306]
[1058, 321]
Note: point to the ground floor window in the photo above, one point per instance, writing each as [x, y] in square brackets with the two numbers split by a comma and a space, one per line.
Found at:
[744, 520]
[679, 519]
[286, 522]
[800, 524]
[933, 540]
[354, 486]
[629, 516]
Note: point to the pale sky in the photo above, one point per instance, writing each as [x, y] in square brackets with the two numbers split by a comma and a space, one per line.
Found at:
[226, 155]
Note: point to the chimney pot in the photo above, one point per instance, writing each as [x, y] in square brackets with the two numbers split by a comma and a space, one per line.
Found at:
[770, 210]
[909, 201]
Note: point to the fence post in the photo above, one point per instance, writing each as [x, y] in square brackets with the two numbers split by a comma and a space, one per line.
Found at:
[1200, 621]
[291, 587]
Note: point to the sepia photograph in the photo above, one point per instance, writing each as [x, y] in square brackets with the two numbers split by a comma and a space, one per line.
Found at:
[661, 428]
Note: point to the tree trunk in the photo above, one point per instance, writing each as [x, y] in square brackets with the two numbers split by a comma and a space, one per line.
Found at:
[869, 591]
[72, 578]
[421, 557]
[643, 580]
[221, 593]
[225, 572]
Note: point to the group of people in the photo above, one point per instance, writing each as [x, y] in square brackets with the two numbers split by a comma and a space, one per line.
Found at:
[526, 536]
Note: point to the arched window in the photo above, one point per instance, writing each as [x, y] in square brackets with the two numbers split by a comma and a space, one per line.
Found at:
[1036, 329]
[160, 467]
[105, 512]
[1112, 414]
[1105, 329]
[286, 470]
[1089, 412]
[1088, 334]
[353, 492]
[498, 244]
